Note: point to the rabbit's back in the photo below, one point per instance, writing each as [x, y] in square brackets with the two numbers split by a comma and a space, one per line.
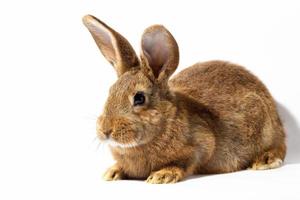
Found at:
[218, 84]
[246, 122]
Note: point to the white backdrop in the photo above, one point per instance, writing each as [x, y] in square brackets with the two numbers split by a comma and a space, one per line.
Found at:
[54, 82]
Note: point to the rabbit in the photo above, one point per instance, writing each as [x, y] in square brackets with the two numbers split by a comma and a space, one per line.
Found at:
[213, 117]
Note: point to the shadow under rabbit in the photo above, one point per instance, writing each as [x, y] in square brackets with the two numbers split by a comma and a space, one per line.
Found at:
[292, 128]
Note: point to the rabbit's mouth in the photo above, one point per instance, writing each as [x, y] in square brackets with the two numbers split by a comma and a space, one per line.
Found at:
[133, 142]
[113, 141]
[113, 144]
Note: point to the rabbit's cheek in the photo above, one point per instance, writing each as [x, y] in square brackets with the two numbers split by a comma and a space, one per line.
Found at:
[124, 133]
[152, 117]
[123, 136]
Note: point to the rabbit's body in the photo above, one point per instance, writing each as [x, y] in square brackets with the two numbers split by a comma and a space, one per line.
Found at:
[213, 117]
[216, 130]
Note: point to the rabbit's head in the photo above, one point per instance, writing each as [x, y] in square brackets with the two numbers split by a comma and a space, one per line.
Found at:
[139, 102]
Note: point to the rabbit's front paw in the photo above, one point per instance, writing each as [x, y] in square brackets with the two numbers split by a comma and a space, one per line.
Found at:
[112, 174]
[166, 175]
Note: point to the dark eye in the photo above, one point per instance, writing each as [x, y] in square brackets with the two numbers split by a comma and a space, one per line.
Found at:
[139, 99]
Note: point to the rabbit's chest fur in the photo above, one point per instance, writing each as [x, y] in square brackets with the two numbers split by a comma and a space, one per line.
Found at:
[139, 163]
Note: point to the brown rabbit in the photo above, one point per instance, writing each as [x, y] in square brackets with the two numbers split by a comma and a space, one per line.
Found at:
[213, 117]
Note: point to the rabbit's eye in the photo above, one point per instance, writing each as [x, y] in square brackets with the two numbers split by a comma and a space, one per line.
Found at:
[139, 99]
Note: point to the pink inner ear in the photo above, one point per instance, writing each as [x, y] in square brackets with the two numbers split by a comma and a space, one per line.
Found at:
[104, 43]
[156, 50]
[102, 38]
[115, 48]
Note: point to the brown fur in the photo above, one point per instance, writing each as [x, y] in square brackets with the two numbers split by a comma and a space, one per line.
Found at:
[213, 117]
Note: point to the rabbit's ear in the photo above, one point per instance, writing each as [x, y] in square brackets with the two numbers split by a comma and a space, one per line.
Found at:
[115, 48]
[160, 52]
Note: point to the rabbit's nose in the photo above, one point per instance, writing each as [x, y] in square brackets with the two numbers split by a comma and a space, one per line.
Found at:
[104, 134]
[104, 127]
[107, 133]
